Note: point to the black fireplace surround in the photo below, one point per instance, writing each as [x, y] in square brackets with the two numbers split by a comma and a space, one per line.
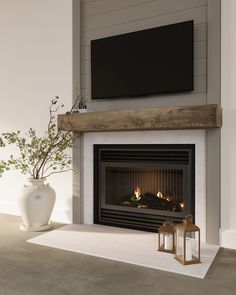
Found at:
[139, 186]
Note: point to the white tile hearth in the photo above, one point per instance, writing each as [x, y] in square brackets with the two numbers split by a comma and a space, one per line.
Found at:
[125, 245]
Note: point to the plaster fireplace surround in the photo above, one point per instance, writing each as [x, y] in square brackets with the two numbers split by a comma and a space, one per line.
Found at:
[196, 137]
[163, 126]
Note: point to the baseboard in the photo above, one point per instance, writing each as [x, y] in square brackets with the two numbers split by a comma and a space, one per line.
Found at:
[228, 238]
[63, 215]
[9, 208]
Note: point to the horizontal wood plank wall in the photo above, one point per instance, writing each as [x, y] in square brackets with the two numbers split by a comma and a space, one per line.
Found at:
[104, 18]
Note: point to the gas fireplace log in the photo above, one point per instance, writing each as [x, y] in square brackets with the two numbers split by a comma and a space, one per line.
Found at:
[153, 202]
[149, 201]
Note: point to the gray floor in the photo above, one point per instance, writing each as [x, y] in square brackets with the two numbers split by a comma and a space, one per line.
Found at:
[31, 269]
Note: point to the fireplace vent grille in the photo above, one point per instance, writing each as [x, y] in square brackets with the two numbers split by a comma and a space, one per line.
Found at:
[133, 220]
[134, 155]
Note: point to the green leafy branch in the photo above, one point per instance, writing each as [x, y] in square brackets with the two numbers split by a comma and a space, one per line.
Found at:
[40, 156]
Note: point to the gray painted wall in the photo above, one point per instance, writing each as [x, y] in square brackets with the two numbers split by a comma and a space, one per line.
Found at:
[103, 18]
[213, 144]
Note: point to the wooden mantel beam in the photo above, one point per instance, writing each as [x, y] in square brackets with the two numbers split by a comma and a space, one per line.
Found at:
[188, 117]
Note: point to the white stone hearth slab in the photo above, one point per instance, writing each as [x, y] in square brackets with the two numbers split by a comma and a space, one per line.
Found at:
[125, 245]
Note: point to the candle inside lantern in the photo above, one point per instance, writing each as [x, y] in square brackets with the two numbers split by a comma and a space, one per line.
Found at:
[168, 242]
[188, 249]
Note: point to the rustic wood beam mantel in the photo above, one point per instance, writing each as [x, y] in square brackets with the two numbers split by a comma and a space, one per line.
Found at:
[188, 117]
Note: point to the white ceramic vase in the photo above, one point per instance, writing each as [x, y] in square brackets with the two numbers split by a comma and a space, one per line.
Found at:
[36, 203]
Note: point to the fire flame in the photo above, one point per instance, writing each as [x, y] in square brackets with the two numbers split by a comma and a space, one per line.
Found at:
[160, 195]
[181, 204]
[137, 192]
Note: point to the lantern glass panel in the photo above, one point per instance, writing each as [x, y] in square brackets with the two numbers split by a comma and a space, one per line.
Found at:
[192, 246]
[168, 241]
[166, 237]
[161, 237]
[180, 244]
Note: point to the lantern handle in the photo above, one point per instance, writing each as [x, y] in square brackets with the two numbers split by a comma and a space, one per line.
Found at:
[189, 217]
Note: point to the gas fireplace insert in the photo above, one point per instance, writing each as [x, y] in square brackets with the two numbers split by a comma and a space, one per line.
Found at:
[140, 186]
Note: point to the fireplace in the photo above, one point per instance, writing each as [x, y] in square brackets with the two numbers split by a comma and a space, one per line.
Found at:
[139, 186]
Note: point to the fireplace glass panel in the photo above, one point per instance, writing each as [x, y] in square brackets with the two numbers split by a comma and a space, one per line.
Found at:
[145, 188]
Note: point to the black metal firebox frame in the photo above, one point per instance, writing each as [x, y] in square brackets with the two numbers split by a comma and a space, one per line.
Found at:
[161, 155]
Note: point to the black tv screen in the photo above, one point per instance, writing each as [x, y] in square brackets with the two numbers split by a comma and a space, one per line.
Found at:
[153, 61]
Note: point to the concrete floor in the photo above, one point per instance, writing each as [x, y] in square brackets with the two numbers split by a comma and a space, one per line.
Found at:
[26, 269]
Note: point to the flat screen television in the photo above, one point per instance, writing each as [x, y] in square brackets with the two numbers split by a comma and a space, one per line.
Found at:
[153, 61]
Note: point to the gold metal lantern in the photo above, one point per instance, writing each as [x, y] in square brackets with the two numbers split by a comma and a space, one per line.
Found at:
[166, 241]
[187, 242]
